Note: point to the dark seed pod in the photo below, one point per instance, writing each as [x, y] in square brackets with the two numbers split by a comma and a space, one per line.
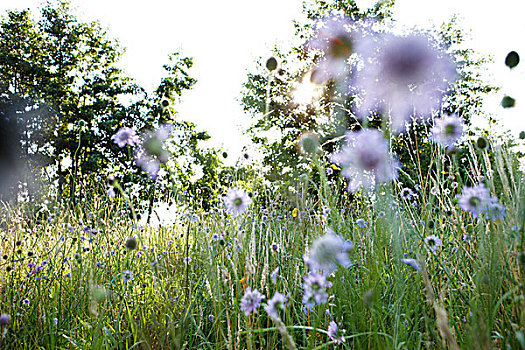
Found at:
[512, 59]
[271, 64]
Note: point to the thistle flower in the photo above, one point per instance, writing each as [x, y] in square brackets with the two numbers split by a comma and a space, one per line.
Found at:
[335, 334]
[328, 251]
[447, 130]
[474, 199]
[251, 301]
[365, 160]
[151, 152]
[125, 136]
[236, 201]
[278, 301]
[405, 75]
[315, 290]
[433, 243]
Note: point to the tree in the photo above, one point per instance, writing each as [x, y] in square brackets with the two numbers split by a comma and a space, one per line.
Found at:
[268, 97]
[72, 98]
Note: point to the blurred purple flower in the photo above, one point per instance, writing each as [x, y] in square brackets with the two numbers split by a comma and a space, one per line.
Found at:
[474, 199]
[236, 201]
[278, 301]
[251, 301]
[315, 290]
[404, 75]
[365, 160]
[329, 251]
[335, 334]
[447, 130]
[125, 136]
[151, 152]
[335, 37]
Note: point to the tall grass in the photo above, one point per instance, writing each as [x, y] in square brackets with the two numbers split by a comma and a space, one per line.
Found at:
[64, 281]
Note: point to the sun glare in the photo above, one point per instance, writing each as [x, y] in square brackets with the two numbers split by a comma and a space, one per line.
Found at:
[306, 92]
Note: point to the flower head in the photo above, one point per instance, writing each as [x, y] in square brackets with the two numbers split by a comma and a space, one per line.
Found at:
[335, 37]
[328, 251]
[412, 263]
[125, 136]
[236, 201]
[335, 334]
[433, 243]
[127, 276]
[251, 301]
[494, 211]
[406, 75]
[315, 286]
[365, 160]
[447, 130]
[4, 319]
[278, 301]
[151, 152]
[474, 199]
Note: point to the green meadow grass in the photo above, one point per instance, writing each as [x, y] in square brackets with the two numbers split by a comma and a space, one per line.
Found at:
[63, 283]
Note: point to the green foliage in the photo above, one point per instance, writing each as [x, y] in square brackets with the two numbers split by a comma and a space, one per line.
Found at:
[59, 77]
[268, 97]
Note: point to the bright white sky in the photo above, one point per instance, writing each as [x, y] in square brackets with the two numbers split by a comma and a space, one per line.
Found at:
[225, 37]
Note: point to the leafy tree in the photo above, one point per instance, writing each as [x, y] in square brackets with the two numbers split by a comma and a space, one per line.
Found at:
[269, 99]
[72, 98]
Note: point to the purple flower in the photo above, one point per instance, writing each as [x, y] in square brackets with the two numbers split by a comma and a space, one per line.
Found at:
[125, 136]
[127, 276]
[111, 193]
[151, 152]
[278, 301]
[236, 201]
[335, 334]
[412, 263]
[315, 290]
[406, 194]
[328, 251]
[274, 275]
[4, 319]
[404, 75]
[474, 199]
[335, 37]
[494, 211]
[361, 222]
[433, 243]
[251, 301]
[366, 160]
[447, 130]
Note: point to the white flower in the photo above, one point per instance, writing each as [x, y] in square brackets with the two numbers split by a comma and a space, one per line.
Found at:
[433, 243]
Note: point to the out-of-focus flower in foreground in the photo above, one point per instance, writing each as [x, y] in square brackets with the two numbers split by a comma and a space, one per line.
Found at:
[151, 152]
[403, 75]
[125, 136]
[365, 160]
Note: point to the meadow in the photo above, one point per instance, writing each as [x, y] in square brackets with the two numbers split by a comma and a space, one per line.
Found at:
[351, 257]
